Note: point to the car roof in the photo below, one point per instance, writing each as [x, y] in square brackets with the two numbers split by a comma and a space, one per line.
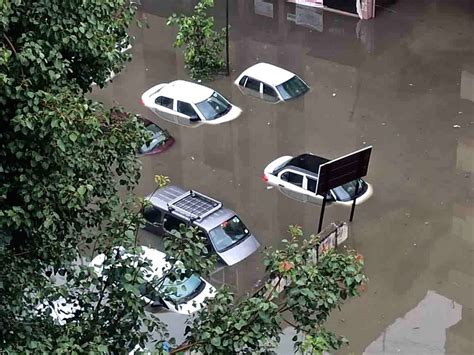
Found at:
[268, 73]
[186, 91]
[163, 196]
[307, 161]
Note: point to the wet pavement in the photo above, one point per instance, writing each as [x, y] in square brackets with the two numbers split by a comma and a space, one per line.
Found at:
[403, 83]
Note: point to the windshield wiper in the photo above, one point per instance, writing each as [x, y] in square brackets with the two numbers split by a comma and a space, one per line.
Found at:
[220, 114]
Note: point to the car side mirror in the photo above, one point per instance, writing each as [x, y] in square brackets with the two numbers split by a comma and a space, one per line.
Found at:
[194, 118]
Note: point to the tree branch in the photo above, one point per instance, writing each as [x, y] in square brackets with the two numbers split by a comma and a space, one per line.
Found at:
[183, 348]
[10, 44]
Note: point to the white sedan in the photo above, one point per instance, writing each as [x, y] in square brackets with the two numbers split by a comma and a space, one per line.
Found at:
[183, 296]
[271, 83]
[297, 178]
[189, 104]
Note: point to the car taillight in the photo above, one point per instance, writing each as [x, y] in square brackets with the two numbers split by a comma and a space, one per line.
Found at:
[264, 178]
[143, 102]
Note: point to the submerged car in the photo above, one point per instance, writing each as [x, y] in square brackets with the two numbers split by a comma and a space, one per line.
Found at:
[160, 140]
[188, 104]
[271, 83]
[297, 178]
[184, 296]
[225, 232]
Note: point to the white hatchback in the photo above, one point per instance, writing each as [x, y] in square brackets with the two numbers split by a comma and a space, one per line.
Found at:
[271, 83]
[183, 296]
[297, 178]
[189, 104]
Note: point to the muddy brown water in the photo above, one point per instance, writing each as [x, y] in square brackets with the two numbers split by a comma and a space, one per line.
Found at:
[403, 83]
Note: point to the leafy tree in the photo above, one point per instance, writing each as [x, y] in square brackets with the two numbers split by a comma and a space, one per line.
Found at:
[67, 173]
[298, 288]
[63, 160]
[202, 44]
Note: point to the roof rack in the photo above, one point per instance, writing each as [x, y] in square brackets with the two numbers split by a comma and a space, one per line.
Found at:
[194, 205]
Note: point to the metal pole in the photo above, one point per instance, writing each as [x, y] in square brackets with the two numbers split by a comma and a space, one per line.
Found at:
[321, 216]
[227, 37]
[354, 201]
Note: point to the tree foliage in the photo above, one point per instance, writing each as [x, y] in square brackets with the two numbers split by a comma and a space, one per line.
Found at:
[298, 288]
[203, 45]
[63, 161]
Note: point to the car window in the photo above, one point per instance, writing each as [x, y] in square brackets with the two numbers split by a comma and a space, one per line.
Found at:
[177, 291]
[311, 185]
[186, 109]
[152, 214]
[164, 101]
[268, 90]
[293, 178]
[184, 290]
[159, 137]
[252, 84]
[214, 107]
[346, 192]
[292, 88]
[171, 223]
[242, 81]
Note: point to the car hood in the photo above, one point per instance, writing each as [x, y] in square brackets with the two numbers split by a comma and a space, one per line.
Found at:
[195, 304]
[240, 251]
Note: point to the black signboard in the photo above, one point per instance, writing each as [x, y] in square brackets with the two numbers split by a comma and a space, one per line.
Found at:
[342, 170]
[342, 5]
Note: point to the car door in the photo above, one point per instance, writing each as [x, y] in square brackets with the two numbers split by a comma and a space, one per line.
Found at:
[186, 113]
[252, 87]
[291, 185]
[269, 93]
[165, 108]
[310, 184]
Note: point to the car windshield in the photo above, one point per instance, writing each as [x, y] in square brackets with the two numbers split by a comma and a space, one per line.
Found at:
[179, 291]
[228, 234]
[159, 137]
[346, 192]
[292, 88]
[214, 107]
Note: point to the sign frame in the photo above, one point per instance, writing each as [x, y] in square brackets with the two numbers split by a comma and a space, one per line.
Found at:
[340, 171]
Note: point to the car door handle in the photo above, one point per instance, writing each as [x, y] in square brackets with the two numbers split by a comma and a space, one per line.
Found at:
[281, 185]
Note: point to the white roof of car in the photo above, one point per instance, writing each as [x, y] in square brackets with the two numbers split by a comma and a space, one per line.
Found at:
[268, 73]
[186, 91]
[157, 258]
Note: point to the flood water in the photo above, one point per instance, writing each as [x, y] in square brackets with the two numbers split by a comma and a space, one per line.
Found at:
[403, 83]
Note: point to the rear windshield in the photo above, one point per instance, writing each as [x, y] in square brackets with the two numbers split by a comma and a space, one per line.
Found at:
[214, 107]
[346, 192]
[228, 234]
[292, 88]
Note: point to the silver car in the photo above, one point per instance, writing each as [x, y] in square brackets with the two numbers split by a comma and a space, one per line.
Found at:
[227, 235]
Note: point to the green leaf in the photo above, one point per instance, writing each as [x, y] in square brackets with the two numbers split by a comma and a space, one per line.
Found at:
[73, 136]
[216, 341]
[61, 145]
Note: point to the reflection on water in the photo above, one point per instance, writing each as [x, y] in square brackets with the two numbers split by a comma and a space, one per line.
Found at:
[422, 330]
